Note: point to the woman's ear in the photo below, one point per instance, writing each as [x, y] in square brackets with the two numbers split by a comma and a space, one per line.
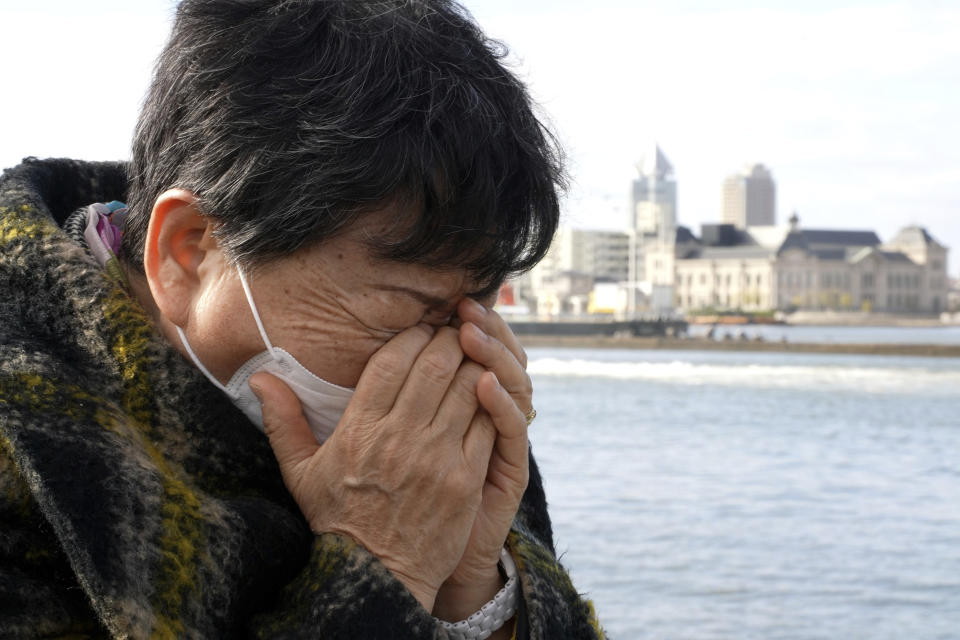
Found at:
[177, 243]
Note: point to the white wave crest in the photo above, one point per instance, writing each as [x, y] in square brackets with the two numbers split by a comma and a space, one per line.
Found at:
[847, 378]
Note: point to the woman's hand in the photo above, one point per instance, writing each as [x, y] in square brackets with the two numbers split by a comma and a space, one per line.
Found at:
[404, 472]
[487, 340]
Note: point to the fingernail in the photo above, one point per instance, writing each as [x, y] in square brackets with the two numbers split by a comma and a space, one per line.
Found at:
[429, 328]
[480, 332]
[476, 306]
[257, 390]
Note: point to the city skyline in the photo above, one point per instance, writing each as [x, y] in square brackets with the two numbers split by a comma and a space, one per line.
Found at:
[851, 106]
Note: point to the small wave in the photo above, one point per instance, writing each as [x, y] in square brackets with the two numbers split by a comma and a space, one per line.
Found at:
[863, 379]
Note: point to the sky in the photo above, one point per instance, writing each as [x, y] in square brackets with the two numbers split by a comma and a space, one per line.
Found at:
[852, 105]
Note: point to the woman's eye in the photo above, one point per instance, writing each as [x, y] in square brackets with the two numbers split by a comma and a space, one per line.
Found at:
[438, 317]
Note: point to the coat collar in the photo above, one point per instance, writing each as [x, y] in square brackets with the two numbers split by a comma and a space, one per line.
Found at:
[167, 502]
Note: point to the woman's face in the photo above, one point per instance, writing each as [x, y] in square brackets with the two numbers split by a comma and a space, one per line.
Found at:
[331, 306]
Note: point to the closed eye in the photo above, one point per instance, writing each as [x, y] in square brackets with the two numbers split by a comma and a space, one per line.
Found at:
[439, 317]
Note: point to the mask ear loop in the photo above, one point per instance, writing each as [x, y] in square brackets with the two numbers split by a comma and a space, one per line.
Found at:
[256, 313]
[196, 361]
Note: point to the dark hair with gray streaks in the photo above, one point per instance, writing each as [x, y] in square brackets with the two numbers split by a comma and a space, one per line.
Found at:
[291, 119]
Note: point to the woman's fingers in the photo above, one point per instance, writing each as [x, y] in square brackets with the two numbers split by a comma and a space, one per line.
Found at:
[505, 478]
[497, 357]
[387, 371]
[510, 422]
[459, 406]
[290, 436]
[432, 379]
[493, 325]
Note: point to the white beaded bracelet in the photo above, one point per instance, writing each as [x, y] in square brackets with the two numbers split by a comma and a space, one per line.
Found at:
[495, 613]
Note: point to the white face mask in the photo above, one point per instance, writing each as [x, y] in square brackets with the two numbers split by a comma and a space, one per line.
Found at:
[322, 402]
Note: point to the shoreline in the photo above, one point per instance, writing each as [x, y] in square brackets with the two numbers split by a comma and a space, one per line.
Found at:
[703, 344]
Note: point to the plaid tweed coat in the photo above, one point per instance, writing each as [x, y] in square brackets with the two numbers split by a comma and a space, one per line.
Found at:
[135, 499]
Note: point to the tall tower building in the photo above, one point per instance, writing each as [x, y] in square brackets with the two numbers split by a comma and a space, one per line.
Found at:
[749, 198]
[654, 197]
[653, 218]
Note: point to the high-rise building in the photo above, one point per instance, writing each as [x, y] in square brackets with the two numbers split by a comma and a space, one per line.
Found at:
[749, 198]
[654, 198]
[653, 216]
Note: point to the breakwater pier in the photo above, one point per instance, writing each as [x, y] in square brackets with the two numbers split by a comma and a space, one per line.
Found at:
[640, 328]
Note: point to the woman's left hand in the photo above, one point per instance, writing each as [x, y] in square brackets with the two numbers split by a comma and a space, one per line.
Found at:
[486, 339]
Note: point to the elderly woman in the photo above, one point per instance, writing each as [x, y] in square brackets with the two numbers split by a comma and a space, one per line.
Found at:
[270, 398]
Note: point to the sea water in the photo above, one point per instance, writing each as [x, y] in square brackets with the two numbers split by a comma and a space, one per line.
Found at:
[755, 495]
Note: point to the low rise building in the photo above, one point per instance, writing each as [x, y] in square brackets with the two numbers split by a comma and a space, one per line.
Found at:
[564, 293]
[953, 296]
[561, 283]
[765, 268]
